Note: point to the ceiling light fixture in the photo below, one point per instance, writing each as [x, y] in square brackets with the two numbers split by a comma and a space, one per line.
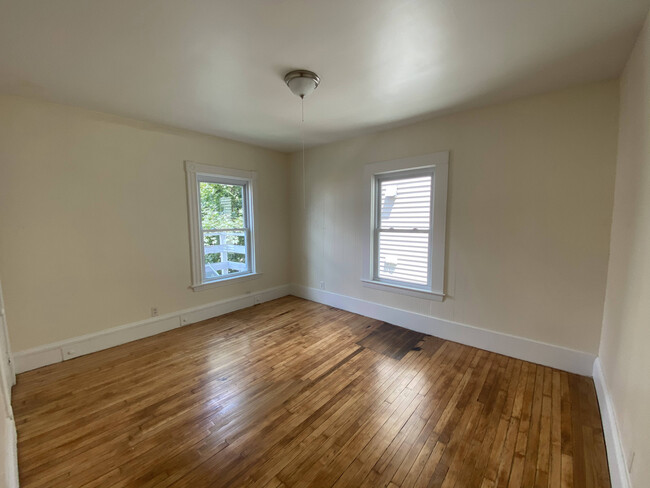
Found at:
[302, 82]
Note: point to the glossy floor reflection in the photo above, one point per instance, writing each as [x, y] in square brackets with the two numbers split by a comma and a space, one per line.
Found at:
[293, 393]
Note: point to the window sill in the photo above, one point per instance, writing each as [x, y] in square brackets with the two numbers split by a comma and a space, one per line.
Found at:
[227, 281]
[404, 290]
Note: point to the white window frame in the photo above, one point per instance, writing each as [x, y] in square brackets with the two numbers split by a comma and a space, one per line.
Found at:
[195, 174]
[438, 163]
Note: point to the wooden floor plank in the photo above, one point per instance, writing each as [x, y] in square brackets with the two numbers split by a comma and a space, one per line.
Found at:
[292, 393]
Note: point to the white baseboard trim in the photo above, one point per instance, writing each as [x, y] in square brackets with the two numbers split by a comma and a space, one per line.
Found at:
[86, 344]
[538, 352]
[559, 357]
[615, 453]
[10, 455]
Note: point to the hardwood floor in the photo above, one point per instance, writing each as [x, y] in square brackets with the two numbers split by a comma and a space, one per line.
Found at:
[293, 394]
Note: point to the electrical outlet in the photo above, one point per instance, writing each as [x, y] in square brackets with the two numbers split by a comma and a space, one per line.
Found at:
[322, 285]
[154, 311]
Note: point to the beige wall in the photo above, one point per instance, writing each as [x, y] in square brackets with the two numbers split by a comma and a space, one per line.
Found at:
[93, 219]
[624, 350]
[529, 214]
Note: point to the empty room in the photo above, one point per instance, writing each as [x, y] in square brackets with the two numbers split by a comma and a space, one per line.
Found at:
[303, 243]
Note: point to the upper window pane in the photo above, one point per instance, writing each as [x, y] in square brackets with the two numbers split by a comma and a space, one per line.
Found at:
[222, 206]
[405, 203]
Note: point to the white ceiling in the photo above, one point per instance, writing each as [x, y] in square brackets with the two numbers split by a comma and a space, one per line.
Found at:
[217, 66]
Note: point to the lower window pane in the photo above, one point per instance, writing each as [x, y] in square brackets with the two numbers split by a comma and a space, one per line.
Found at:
[403, 257]
[212, 258]
[224, 254]
[212, 271]
[236, 257]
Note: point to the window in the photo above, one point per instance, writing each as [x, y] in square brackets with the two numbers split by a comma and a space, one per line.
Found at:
[221, 224]
[405, 251]
[403, 227]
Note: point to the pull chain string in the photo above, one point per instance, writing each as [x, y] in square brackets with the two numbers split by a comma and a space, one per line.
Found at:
[302, 139]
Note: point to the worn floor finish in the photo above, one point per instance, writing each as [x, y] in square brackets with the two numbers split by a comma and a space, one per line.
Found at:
[293, 393]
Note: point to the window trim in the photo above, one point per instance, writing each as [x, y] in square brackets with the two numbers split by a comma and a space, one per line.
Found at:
[196, 172]
[373, 172]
